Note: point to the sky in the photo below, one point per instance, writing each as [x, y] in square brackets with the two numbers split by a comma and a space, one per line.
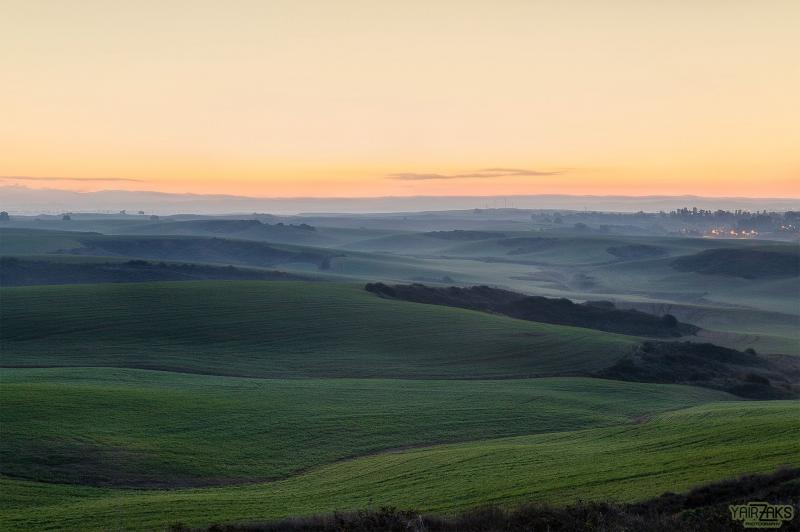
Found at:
[351, 98]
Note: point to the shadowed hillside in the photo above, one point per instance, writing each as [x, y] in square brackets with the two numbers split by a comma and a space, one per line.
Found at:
[284, 329]
[746, 263]
[741, 373]
[462, 234]
[199, 249]
[637, 251]
[21, 272]
[245, 229]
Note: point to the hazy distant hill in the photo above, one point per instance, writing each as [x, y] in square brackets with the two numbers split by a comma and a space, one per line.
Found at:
[746, 263]
[23, 200]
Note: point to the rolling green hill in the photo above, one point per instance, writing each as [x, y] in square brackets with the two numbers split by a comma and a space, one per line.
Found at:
[202, 249]
[550, 248]
[29, 241]
[75, 246]
[183, 248]
[212, 430]
[284, 329]
[265, 228]
[29, 271]
[139, 405]
[633, 271]
[670, 452]
[777, 261]
[245, 229]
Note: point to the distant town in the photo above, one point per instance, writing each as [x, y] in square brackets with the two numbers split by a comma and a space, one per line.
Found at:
[687, 221]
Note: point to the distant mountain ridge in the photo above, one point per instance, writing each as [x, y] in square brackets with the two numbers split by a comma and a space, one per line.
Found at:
[24, 200]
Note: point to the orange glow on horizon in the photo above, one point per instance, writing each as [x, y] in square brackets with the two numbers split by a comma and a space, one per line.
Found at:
[313, 98]
[367, 186]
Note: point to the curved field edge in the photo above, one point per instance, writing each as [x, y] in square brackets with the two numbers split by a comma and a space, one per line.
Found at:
[212, 430]
[284, 329]
[672, 452]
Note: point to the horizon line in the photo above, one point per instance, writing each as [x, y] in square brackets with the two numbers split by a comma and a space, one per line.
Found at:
[289, 198]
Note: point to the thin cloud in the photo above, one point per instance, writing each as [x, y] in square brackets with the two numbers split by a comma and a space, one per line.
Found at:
[521, 171]
[486, 173]
[419, 177]
[40, 178]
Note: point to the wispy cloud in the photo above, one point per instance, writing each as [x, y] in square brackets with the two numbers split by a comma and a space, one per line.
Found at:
[486, 173]
[48, 178]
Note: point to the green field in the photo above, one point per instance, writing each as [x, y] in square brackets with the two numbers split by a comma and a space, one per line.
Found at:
[135, 406]
[548, 263]
[581, 267]
[213, 430]
[30, 241]
[670, 452]
[284, 329]
[548, 248]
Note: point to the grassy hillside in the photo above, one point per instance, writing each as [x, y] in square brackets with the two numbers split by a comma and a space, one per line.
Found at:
[551, 248]
[546, 264]
[776, 261]
[290, 398]
[82, 247]
[251, 229]
[201, 249]
[280, 329]
[701, 509]
[166, 429]
[657, 279]
[168, 247]
[632, 271]
[740, 328]
[672, 451]
[16, 271]
[28, 241]
[285, 229]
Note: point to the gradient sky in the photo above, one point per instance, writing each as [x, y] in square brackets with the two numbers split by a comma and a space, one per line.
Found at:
[364, 98]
